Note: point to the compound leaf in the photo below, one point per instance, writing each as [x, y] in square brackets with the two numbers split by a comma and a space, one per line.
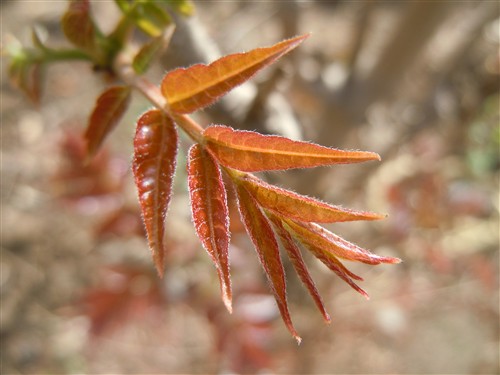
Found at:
[195, 87]
[210, 213]
[252, 152]
[109, 109]
[155, 149]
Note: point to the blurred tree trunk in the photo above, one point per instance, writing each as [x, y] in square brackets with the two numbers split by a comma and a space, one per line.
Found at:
[418, 24]
[347, 109]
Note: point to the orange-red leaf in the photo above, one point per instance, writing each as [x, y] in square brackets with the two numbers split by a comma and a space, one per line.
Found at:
[252, 152]
[326, 241]
[336, 266]
[77, 24]
[210, 213]
[329, 260]
[108, 111]
[300, 207]
[298, 263]
[155, 149]
[189, 89]
[262, 236]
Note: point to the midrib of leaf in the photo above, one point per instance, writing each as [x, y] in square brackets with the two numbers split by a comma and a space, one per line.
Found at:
[215, 247]
[272, 151]
[208, 195]
[111, 115]
[159, 241]
[109, 109]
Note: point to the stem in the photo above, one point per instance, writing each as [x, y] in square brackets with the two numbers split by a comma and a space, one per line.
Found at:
[54, 55]
[191, 127]
[127, 74]
[123, 69]
[72, 54]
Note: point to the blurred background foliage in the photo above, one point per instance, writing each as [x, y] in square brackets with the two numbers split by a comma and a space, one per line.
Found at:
[417, 82]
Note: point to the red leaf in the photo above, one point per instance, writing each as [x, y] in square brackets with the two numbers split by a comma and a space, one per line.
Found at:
[326, 241]
[115, 301]
[189, 89]
[155, 149]
[210, 213]
[108, 111]
[300, 207]
[329, 260]
[77, 24]
[260, 232]
[252, 152]
[336, 266]
[298, 263]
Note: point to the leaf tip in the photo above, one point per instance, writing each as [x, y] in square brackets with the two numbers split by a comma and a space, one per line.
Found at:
[372, 155]
[88, 158]
[90, 151]
[375, 216]
[380, 216]
[160, 266]
[388, 260]
[161, 272]
[393, 260]
[360, 291]
[227, 302]
[307, 35]
[327, 318]
[297, 338]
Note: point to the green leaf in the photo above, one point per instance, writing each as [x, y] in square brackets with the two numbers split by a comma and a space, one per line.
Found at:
[27, 77]
[149, 52]
[36, 37]
[150, 18]
[184, 7]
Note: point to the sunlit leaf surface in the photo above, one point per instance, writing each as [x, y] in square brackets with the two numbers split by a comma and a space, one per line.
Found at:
[251, 152]
[155, 149]
[300, 207]
[210, 213]
[108, 111]
[189, 89]
[262, 236]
